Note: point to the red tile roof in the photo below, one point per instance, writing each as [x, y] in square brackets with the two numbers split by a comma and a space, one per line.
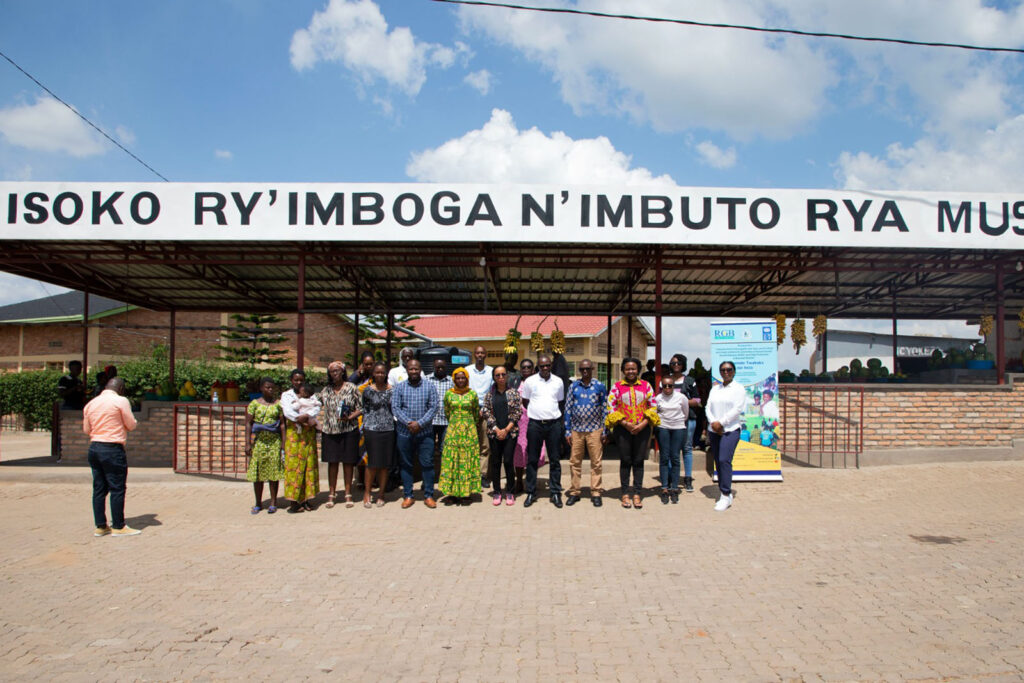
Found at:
[478, 327]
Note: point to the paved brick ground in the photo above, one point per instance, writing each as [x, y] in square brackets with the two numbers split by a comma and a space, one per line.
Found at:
[889, 573]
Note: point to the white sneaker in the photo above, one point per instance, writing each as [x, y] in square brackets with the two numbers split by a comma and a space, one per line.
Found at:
[126, 531]
[723, 503]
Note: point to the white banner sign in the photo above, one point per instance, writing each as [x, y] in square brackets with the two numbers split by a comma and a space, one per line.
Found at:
[510, 213]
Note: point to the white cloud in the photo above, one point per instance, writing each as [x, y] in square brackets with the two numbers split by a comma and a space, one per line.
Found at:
[670, 76]
[480, 80]
[500, 152]
[716, 157]
[355, 34]
[125, 135]
[224, 154]
[49, 126]
[986, 161]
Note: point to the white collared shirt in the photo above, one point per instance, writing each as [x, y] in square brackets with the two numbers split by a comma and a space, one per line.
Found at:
[543, 396]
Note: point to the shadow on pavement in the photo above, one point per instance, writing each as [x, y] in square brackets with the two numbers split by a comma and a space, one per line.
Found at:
[143, 521]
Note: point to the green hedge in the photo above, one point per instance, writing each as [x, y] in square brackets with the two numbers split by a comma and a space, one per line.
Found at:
[32, 393]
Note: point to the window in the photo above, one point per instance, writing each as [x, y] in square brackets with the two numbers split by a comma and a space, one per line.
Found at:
[602, 373]
[56, 344]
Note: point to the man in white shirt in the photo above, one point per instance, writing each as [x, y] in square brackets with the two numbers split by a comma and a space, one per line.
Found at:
[480, 381]
[543, 399]
[399, 374]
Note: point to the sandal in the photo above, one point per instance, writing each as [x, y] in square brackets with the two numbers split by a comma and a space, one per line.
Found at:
[381, 502]
[348, 500]
[637, 502]
[272, 509]
[255, 510]
[626, 503]
[366, 503]
[307, 506]
[330, 501]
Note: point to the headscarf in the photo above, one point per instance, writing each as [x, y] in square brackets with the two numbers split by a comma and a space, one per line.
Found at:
[456, 389]
[336, 365]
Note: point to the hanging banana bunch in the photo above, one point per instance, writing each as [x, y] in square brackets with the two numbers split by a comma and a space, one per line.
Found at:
[780, 328]
[799, 334]
[1020, 319]
[512, 338]
[557, 340]
[985, 328]
[820, 325]
[537, 341]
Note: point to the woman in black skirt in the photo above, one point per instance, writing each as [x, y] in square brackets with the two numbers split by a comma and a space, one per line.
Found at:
[339, 427]
[378, 432]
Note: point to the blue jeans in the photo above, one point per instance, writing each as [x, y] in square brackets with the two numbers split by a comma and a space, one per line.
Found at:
[109, 472]
[724, 447]
[670, 444]
[691, 429]
[420, 446]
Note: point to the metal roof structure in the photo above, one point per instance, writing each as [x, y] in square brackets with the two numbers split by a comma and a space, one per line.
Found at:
[529, 278]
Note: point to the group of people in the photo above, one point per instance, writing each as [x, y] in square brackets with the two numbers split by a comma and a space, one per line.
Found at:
[490, 426]
[506, 420]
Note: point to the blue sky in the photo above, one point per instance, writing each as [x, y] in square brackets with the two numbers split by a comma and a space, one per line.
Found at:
[400, 90]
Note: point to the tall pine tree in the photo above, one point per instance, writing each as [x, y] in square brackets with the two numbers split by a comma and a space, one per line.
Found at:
[249, 340]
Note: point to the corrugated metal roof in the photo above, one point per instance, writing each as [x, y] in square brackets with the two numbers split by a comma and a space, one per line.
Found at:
[539, 279]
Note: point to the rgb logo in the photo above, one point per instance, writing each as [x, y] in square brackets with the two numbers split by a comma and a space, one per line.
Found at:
[725, 334]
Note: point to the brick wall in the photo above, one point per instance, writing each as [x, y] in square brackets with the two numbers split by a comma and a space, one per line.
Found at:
[191, 344]
[906, 423]
[150, 445]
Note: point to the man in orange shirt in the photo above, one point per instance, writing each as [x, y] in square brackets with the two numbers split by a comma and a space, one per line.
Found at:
[107, 419]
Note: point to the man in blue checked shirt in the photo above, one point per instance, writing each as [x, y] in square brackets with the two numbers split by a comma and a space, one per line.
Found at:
[585, 407]
[414, 404]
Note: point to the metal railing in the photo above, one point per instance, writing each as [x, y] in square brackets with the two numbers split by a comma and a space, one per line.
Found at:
[822, 426]
[209, 438]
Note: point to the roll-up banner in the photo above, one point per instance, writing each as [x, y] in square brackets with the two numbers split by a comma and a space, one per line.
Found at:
[752, 347]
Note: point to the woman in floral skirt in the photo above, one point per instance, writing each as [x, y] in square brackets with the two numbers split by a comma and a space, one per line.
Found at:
[301, 470]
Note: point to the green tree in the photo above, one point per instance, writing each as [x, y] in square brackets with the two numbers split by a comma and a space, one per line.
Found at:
[249, 339]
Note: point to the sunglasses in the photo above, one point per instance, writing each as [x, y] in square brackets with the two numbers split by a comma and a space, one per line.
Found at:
[544, 365]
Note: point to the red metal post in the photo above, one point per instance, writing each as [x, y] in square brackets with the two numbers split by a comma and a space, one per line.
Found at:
[387, 338]
[1000, 328]
[172, 333]
[300, 338]
[895, 361]
[657, 325]
[85, 340]
[609, 359]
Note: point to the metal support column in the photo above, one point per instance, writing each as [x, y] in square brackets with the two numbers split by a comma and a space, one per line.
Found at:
[628, 351]
[172, 334]
[85, 341]
[609, 349]
[300, 318]
[895, 360]
[657, 325]
[387, 338]
[1000, 327]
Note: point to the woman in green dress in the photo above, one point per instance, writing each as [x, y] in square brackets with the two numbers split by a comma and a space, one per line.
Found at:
[460, 459]
[264, 429]
[301, 470]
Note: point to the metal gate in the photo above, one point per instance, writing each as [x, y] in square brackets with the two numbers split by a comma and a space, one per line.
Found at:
[822, 426]
[209, 438]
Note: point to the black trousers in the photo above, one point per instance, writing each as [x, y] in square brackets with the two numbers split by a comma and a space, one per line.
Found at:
[544, 433]
[501, 454]
[632, 454]
[109, 473]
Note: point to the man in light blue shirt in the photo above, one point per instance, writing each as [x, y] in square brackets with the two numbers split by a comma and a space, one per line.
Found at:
[414, 404]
